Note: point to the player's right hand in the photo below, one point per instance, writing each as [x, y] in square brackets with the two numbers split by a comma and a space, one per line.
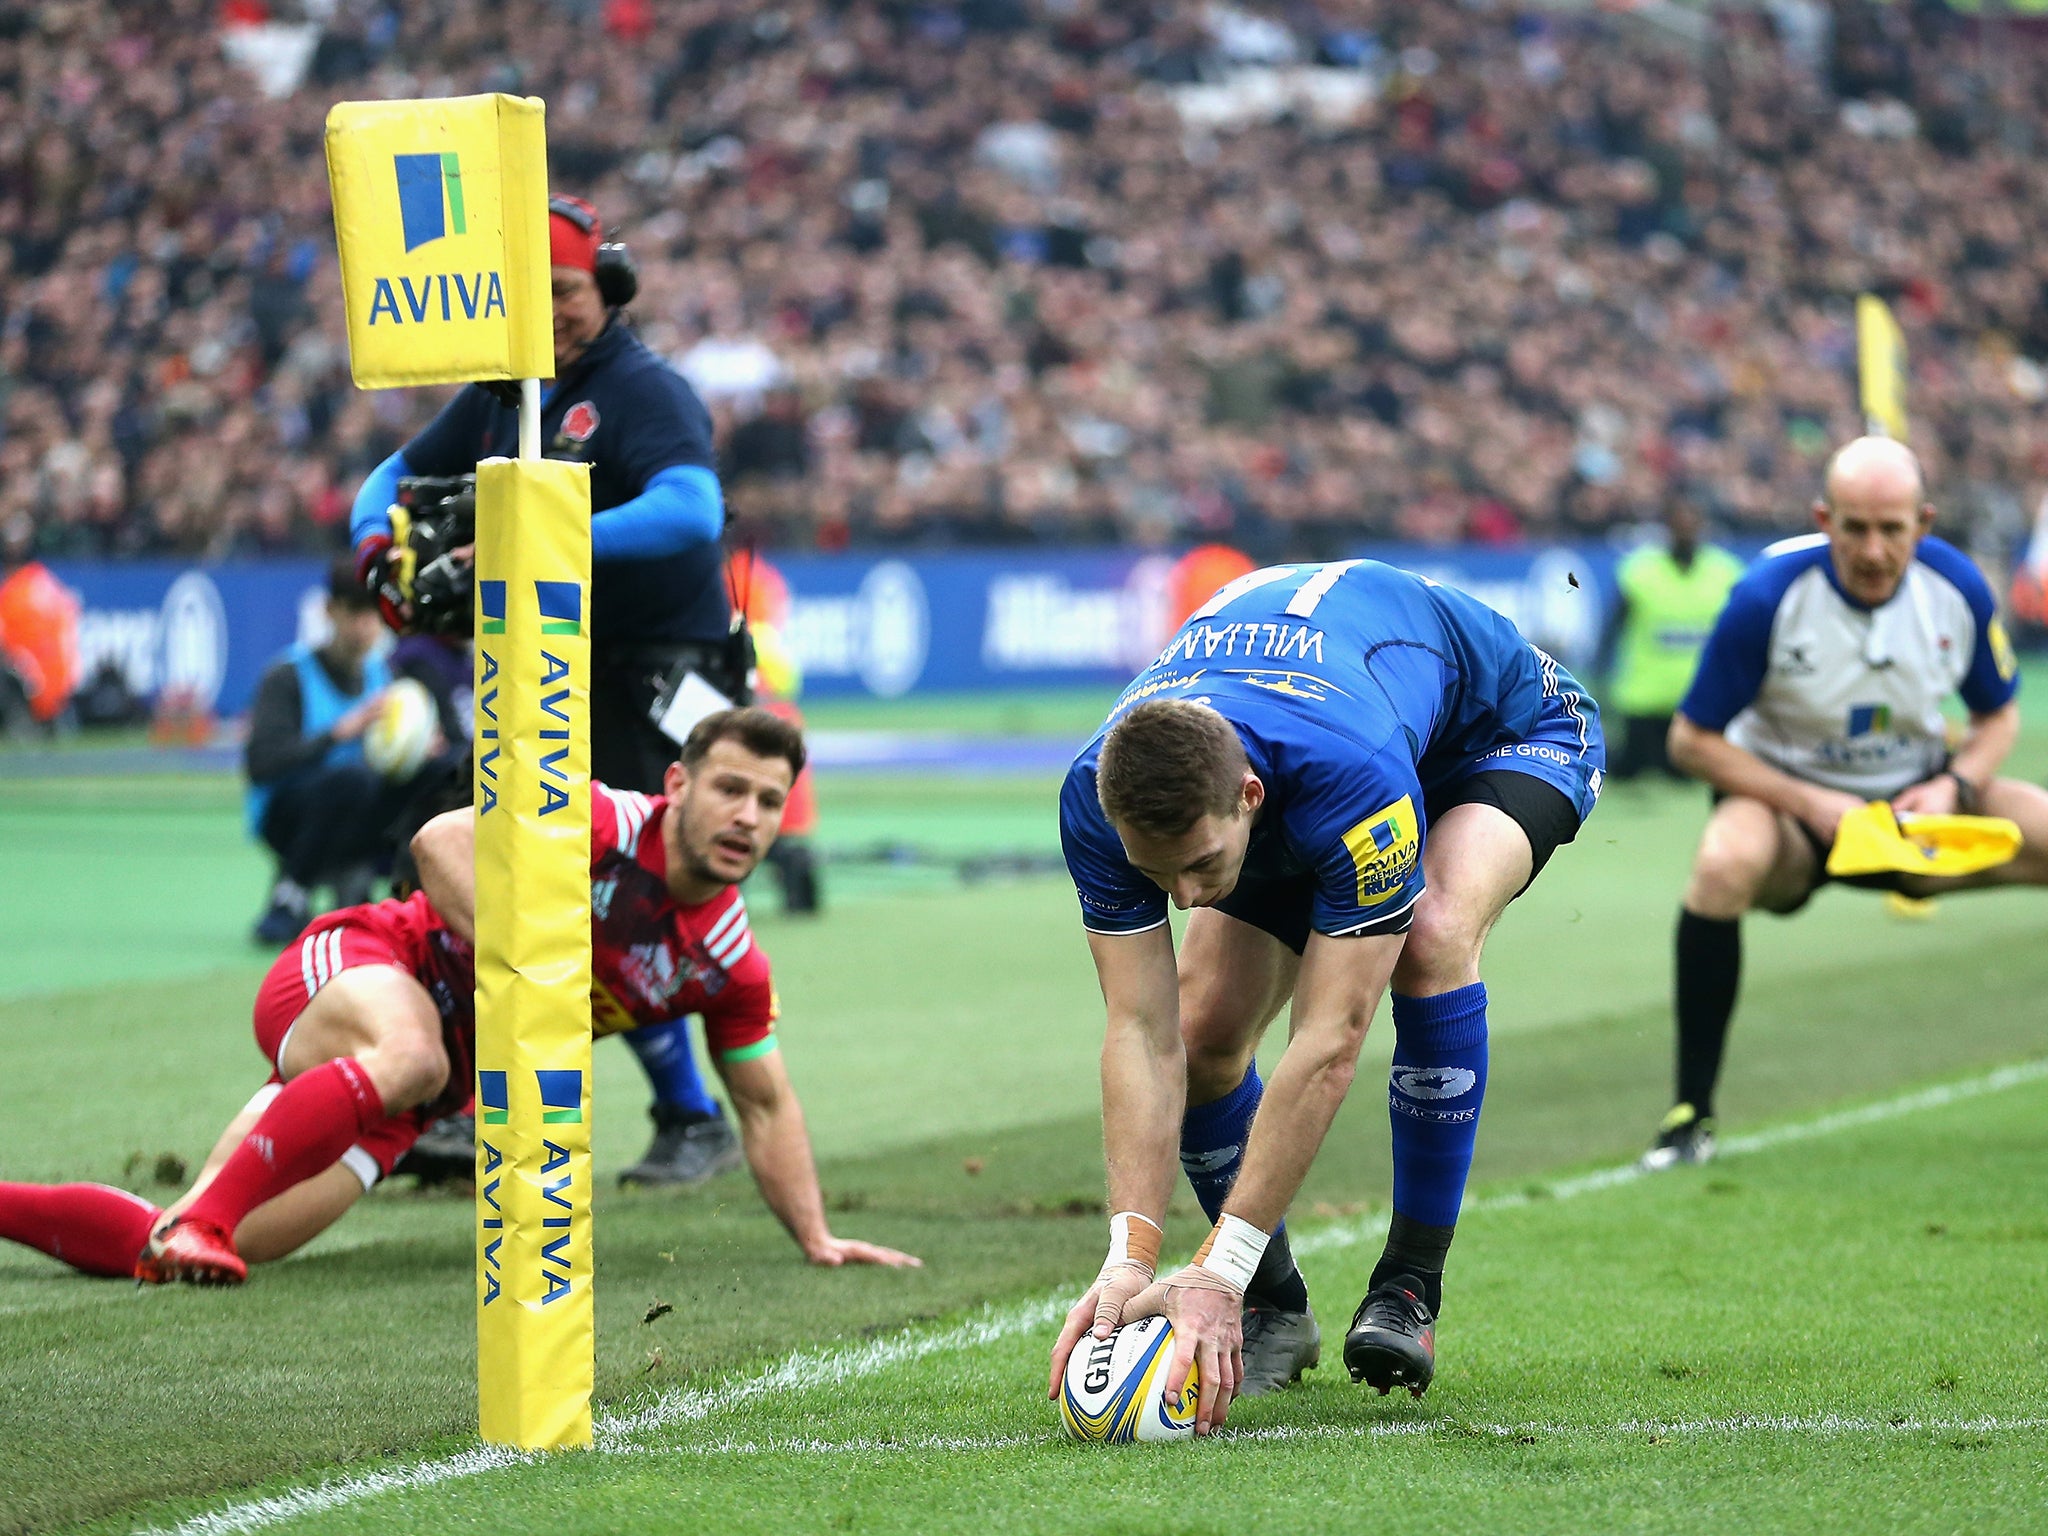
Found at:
[1096, 1313]
[835, 1252]
[1825, 808]
[358, 719]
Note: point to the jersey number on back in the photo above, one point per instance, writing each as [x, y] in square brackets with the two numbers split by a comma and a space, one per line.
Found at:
[1320, 578]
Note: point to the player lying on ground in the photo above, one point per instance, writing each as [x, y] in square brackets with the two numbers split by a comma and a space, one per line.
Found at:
[1820, 689]
[368, 1023]
[1348, 773]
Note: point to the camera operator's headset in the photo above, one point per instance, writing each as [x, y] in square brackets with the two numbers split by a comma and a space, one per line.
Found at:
[618, 279]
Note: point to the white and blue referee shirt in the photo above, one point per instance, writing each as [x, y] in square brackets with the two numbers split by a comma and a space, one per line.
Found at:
[1837, 693]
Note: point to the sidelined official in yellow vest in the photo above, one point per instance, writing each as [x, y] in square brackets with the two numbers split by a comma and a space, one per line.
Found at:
[1671, 593]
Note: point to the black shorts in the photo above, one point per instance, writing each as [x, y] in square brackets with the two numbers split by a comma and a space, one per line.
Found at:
[1546, 816]
[1883, 880]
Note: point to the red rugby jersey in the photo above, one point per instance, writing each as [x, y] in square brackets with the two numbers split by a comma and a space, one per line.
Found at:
[653, 959]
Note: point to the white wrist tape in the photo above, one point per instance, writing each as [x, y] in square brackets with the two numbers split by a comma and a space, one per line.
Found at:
[1233, 1251]
[1134, 1239]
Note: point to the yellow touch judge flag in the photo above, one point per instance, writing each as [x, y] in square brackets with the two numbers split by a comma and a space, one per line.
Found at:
[1871, 840]
[1881, 367]
[440, 210]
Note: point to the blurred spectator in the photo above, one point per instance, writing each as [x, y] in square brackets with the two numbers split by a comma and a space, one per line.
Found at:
[1198, 575]
[313, 796]
[762, 595]
[38, 637]
[1064, 269]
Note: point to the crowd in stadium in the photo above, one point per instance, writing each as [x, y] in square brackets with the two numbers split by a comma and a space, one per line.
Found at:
[1028, 270]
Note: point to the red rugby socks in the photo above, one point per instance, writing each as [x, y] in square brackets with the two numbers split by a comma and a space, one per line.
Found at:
[307, 1127]
[91, 1227]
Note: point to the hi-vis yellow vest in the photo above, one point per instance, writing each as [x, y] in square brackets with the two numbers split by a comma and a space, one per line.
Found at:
[1671, 612]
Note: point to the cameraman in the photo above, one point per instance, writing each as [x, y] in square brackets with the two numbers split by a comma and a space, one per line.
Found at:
[658, 599]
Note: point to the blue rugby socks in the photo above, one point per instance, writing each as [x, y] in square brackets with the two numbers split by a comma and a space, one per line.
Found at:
[671, 1066]
[1434, 1092]
[1212, 1141]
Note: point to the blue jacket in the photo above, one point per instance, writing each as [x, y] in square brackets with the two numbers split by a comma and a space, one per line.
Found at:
[658, 574]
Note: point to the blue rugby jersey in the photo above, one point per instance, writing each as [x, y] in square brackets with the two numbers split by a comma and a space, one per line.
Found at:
[1357, 689]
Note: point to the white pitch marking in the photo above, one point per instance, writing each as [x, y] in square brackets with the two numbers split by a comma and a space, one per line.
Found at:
[826, 1368]
[1400, 1429]
[818, 1368]
[258, 1514]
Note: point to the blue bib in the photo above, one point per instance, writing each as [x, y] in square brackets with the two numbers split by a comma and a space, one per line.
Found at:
[321, 703]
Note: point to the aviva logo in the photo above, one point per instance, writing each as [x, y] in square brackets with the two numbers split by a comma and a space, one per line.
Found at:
[430, 208]
[430, 197]
[561, 1097]
[1383, 850]
[561, 607]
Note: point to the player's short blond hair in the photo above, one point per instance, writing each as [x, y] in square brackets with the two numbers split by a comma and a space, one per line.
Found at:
[1166, 765]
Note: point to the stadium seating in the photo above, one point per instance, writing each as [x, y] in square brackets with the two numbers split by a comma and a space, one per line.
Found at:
[998, 270]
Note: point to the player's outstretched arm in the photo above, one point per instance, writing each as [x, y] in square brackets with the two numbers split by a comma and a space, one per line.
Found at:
[1144, 1090]
[445, 850]
[779, 1153]
[1733, 770]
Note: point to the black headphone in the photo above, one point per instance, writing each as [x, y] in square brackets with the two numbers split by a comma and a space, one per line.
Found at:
[618, 279]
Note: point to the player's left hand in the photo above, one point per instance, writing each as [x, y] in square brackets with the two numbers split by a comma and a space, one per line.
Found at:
[831, 1252]
[1207, 1314]
[1937, 796]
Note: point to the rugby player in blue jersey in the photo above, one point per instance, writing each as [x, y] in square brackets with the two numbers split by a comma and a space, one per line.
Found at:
[1821, 688]
[1347, 773]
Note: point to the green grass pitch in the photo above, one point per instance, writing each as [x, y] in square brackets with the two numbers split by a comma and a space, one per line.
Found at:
[1842, 1333]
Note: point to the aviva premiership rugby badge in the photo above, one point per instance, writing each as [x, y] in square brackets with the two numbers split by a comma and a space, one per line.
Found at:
[1383, 849]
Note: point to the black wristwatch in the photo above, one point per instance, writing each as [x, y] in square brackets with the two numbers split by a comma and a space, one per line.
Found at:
[1966, 792]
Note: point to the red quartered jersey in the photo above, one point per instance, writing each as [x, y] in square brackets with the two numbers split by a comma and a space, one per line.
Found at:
[653, 959]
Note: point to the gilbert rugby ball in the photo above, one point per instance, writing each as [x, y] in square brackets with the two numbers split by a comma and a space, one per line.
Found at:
[1115, 1389]
[400, 738]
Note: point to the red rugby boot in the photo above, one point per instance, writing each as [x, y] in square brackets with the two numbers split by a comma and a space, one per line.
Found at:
[196, 1252]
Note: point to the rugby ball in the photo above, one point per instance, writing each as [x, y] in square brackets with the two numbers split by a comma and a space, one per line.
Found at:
[1115, 1389]
[402, 737]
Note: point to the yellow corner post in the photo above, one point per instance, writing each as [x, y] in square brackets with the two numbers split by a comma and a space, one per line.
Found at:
[535, 1349]
[440, 211]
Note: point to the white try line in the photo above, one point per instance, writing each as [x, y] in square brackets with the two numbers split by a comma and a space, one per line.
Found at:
[828, 1368]
[809, 1368]
[1654, 1430]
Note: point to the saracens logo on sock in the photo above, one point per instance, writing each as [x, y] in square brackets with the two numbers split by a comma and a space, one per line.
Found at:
[1210, 1161]
[1434, 1082]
